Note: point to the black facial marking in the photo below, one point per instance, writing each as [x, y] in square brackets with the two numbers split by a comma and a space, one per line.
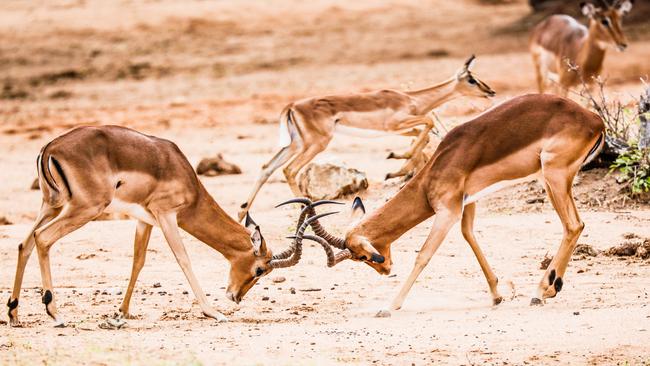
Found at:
[377, 258]
[535, 301]
[363, 258]
[47, 298]
[12, 304]
[551, 277]
[558, 284]
[119, 183]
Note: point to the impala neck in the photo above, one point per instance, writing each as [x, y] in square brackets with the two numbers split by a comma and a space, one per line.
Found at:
[591, 56]
[407, 208]
[210, 224]
[430, 98]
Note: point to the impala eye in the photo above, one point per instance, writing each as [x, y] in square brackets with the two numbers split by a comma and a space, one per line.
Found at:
[472, 81]
[259, 272]
[605, 22]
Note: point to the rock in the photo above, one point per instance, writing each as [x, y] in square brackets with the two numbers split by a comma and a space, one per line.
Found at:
[157, 285]
[216, 166]
[545, 262]
[330, 181]
[585, 249]
[279, 279]
[624, 250]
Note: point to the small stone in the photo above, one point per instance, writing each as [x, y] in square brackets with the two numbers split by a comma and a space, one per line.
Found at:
[279, 279]
[383, 313]
[157, 285]
[265, 298]
[576, 313]
[292, 291]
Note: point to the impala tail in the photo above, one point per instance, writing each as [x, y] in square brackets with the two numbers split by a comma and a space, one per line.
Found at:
[595, 150]
[52, 180]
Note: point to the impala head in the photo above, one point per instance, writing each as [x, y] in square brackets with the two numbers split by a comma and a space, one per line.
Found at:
[248, 268]
[470, 85]
[354, 246]
[606, 23]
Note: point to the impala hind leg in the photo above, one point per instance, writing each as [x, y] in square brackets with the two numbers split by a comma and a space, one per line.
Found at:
[280, 158]
[467, 228]
[558, 185]
[71, 217]
[142, 235]
[444, 220]
[303, 158]
[539, 74]
[420, 142]
[25, 249]
[169, 227]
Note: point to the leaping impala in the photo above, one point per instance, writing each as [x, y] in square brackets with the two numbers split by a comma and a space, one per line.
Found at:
[91, 170]
[560, 41]
[533, 136]
[308, 125]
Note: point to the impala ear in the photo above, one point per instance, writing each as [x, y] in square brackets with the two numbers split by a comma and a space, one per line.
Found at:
[469, 62]
[259, 245]
[358, 210]
[624, 7]
[588, 9]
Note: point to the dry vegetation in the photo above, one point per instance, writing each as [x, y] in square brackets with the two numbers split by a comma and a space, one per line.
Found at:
[213, 77]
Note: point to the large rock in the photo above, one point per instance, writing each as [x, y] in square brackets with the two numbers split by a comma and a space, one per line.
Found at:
[216, 166]
[320, 181]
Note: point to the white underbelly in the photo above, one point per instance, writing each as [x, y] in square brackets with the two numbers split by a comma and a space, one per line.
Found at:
[496, 187]
[133, 210]
[360, 132]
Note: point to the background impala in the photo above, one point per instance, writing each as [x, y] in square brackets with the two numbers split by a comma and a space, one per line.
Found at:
[213, 77]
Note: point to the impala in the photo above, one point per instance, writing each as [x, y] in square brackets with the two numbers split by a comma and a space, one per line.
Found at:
[91, 170]
[307, 126]
[569, 52]
[533, 136]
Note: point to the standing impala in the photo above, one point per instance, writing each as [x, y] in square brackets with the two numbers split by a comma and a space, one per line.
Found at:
[307, 126]
[533, 136]
[560, 41]
[91, 170]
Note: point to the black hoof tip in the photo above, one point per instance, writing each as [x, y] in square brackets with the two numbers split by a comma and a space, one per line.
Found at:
[558, 284]
[536, 302]
[244, 205]
[387, 177]
[391, 156]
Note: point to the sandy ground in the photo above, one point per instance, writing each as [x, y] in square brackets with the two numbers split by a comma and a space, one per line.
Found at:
[212, 76]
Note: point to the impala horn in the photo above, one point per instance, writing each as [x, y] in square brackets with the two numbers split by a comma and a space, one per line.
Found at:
[309, 210]
[332, 259]
[291, 256]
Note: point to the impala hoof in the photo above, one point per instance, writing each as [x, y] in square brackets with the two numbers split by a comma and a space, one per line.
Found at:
[59, 323]
[383, 313]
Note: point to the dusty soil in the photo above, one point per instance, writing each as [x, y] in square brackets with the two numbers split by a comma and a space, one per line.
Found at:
[213, 76]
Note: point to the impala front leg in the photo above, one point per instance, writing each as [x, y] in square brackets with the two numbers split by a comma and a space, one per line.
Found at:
[420, 142]
[169, 227]
[444, 220]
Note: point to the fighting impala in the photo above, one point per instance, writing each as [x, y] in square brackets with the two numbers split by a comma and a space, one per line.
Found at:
[91, 170]
[533, 136]
[307, 126]
[569, 52]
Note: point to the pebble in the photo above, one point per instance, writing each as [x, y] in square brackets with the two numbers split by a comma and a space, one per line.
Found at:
[279, 279]
[156, 285]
